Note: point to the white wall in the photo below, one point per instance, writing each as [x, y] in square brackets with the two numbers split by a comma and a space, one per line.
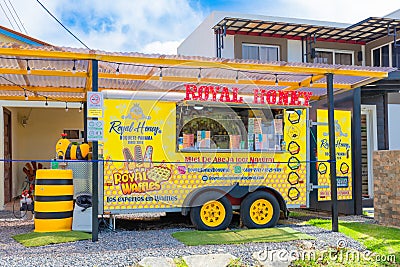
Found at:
[201, 42]
[294, 52]
[229, 47]
[394, 126]
[35, 141]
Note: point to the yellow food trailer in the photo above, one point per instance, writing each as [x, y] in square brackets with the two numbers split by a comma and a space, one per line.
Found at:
[205, 153]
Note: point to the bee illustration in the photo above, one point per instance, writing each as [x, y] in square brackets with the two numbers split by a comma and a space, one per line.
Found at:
[66, 150]
[136, 113]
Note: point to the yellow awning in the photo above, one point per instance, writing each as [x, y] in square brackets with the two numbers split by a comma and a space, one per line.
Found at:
[66, 74]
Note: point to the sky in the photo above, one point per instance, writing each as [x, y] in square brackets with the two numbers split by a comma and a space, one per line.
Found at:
[159, 26]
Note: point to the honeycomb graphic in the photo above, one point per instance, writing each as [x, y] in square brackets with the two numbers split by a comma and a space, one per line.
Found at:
[293, 148]
[294, 132]
[294, 117]
[293, 163]
[293, 193]
[293, 178]
[344, 168]
[322, 168]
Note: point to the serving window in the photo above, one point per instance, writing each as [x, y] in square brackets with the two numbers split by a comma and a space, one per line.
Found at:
[228, 128]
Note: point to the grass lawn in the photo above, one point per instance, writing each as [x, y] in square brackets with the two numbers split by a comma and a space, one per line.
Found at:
[376, 238]
[35, 239]
[297, 214]
[340, 258]
[275, 234]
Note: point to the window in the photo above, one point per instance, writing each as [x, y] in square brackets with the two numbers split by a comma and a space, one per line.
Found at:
[395, 55]
[224, 128]
[343, 59]
[260, 52]
[334, 57]
[324, 57]
[74, 135]
[377, 57]
[386, 56]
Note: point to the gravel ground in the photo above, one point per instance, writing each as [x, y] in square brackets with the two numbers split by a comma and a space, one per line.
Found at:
[126, 248]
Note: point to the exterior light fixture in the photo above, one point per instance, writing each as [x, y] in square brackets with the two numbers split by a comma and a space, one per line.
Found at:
[117, 70]
[160, 74]
[237, 77]
[199, 77]
[74, 67]
[80, 108]
[276, 80]
[28, 69]
[311, 81]
[26, 96]
[66, 106]
[46, 103]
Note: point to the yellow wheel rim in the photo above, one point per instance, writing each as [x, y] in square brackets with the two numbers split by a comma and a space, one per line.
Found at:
[261, 211]
[212, 213]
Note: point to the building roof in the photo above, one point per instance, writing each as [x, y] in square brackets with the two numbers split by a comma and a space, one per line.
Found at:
[361, 33]
[218, 15]
[21, 37]
[51, 73]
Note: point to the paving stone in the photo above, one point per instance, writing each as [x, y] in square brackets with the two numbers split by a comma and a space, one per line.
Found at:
[210, 260]
[157, 262]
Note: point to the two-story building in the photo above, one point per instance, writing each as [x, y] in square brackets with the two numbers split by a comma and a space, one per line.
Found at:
[371, 42]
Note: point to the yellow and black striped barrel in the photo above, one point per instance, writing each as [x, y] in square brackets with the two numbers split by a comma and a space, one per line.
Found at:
[54, 192]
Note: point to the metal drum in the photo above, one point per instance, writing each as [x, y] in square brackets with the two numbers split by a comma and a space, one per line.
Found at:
[53, 204]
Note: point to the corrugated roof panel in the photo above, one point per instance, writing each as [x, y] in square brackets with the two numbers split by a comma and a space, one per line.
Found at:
[56, 81]
[161, 86]
[17, 79]
[55, 95]
[9, 62]
[315, 91]
[63, 95]
[119, 84]
[64, 65]
[341, 79]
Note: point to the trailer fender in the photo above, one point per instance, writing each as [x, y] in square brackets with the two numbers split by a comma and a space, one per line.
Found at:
[201, 195]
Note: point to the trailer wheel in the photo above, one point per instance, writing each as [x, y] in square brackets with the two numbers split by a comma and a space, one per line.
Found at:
[260, 209]
[212, 215]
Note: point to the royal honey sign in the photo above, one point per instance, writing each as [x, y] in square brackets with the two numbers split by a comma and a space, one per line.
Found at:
[343, 155]
[143, 169]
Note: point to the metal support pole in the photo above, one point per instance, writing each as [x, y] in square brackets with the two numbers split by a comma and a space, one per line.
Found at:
[332, 151]
[356, 144]
[95, 163]
[85, 122]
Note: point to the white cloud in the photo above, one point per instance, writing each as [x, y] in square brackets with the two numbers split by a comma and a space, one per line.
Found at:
[157, 26]
[123, 25]
[166, 48]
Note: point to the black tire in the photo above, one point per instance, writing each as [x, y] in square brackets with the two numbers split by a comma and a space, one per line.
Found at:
[246, 205]
[198, 223]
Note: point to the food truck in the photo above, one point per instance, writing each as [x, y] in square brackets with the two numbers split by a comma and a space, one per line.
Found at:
[206, 153]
